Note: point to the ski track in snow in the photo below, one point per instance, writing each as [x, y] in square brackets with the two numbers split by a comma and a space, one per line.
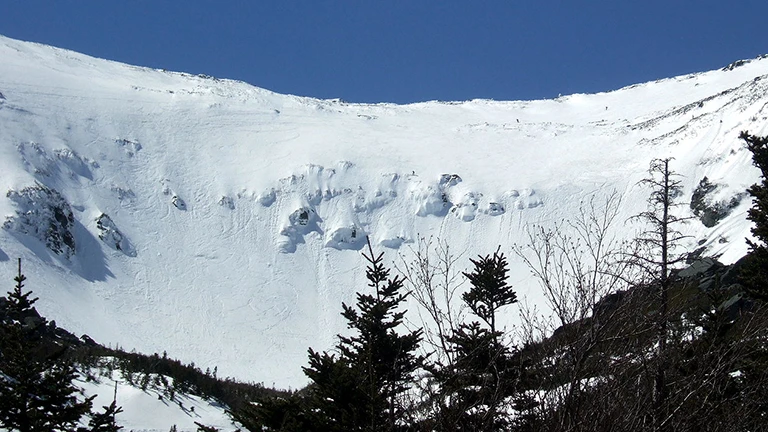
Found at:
[242, 286]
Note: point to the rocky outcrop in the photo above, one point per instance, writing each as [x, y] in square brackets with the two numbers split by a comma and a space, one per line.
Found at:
[39, 327]
[709, 210]
[130, 147]
[300, 222]
[227, 202]
[343, 210]
[178, 203]
[112, 237]
[345, 237]
[45, 215]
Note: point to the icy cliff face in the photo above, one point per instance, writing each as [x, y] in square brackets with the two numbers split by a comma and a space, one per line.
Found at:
[222, 223]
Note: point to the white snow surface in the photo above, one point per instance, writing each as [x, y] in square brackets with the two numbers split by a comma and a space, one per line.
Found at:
[246, 210]
[151, 410]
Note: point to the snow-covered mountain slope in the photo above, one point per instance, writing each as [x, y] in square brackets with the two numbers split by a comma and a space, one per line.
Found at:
[151, 410]
[222, 223]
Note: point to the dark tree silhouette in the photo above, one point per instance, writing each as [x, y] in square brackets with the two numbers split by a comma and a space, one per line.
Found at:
[361, 386]
[37, 391]
[106, 420]
[755, 272]
[479, 382]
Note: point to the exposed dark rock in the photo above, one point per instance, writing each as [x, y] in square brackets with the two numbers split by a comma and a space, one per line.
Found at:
[495, 209]
[708, 211]
[696, 254]
[32, 322]
[178, 203]
[735, 306]
[67, 337]
[129, 146]
[608, 303]
[699, 267]
[300, 222]
[112, 237]
[87, 340]
[734, 65]
[36, 324]
[45, 215]
[447, 180]
[302, 217]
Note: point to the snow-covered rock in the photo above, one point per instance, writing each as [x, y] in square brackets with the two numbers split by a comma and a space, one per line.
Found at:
[300, 222]
[467, 207]
[227, 202]
[178, 203]
[267, 198]
[494, 209]
[347, 237]
[130, 147]
[42, 213]
[112, 237]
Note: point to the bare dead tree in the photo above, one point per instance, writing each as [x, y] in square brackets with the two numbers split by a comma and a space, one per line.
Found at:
[658, 252]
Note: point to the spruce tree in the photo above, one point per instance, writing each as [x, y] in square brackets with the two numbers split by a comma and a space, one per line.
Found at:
[755, 272]
[479, 384]
[489, 288]
[37, 390]
[361, 386]
[19, 303]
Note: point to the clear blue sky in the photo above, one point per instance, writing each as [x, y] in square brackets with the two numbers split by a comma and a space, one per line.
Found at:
[409, 50]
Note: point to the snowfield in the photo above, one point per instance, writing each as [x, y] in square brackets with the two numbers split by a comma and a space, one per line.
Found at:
[151, 410]
[223, 223]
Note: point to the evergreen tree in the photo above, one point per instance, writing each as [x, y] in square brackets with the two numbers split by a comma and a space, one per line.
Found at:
[106, 421]
[489, 288]
[286, 414]
[362, 386]
[755, 272]
[478, 386]
[37, 391]
[19, 303]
